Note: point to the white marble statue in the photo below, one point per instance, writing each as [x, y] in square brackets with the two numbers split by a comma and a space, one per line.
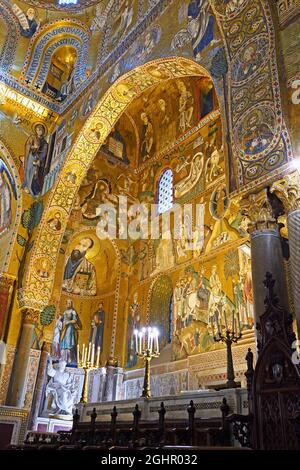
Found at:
[61, 387]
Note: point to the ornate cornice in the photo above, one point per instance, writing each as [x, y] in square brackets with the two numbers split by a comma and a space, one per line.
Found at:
[257, 208]
[288, 191]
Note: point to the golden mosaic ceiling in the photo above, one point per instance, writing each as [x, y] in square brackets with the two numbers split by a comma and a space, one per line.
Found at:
[69, 5]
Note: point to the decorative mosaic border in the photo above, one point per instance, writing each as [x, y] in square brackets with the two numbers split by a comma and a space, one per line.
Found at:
[44, 42]
[12, 164]
[97, 74]
[9, 48]
[17, 417]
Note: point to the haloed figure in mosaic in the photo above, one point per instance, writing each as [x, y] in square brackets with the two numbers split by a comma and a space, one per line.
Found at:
[65, 337]
[7, 188]
[80, 274]
[36, 151]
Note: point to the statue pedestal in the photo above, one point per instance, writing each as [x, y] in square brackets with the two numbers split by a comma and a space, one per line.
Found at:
[52, 424]
[61, 417]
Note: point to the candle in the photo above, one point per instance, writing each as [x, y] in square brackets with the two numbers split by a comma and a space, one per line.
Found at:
[82, 356]
[93, 355]
[219, 326]
[144, 338]
[149, 337]
[78, 358]
[136, 340]
[140, 342]
[239, 324]
[225, 317]
[155, 338]
[89, 352]
[98, 357]
[150, 342]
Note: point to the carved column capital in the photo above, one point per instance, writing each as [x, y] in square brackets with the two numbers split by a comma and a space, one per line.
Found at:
[288, 191]
[257, 208]
[6, 282]
[30, 315]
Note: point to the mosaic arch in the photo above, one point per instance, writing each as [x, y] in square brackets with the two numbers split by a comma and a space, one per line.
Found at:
[37, 292]
[7, 246]
[9, 48]
[48, 40]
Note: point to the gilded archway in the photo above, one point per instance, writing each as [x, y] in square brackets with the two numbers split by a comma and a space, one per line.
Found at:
[36, 291]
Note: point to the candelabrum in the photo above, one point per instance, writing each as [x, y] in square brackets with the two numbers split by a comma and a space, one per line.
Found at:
[87, 361]
[147, 347]
[228, 334]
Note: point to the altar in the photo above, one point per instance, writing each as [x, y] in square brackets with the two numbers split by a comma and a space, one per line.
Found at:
[173, 383]
[206, 402]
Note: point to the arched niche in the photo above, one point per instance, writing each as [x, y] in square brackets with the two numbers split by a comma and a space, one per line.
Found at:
[47, 41]
[59, 82]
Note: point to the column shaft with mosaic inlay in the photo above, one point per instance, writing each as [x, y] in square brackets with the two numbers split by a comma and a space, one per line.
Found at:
[288, 190]
[18, 380]
[266, 250]
[38, 392]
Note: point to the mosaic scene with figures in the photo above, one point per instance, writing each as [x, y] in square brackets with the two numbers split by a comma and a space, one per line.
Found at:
[149, 224]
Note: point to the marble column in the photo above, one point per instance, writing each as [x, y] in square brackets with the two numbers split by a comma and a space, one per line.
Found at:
[38, 393]
[109, 385]
[114, 381]
[19, 373]
[102, 382]
[288, 191]
[119, 374]
[266, 251]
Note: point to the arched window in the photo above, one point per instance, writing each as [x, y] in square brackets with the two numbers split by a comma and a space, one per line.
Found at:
[165, 191]
[161, 309]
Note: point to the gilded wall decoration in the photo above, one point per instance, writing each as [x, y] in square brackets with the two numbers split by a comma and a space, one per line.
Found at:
[234, 41]
[46, 42]
[248, 31]
[9, 46]
[133, 322]
[219, 291]
[161, 309]
[94, 133]
[10, 205]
